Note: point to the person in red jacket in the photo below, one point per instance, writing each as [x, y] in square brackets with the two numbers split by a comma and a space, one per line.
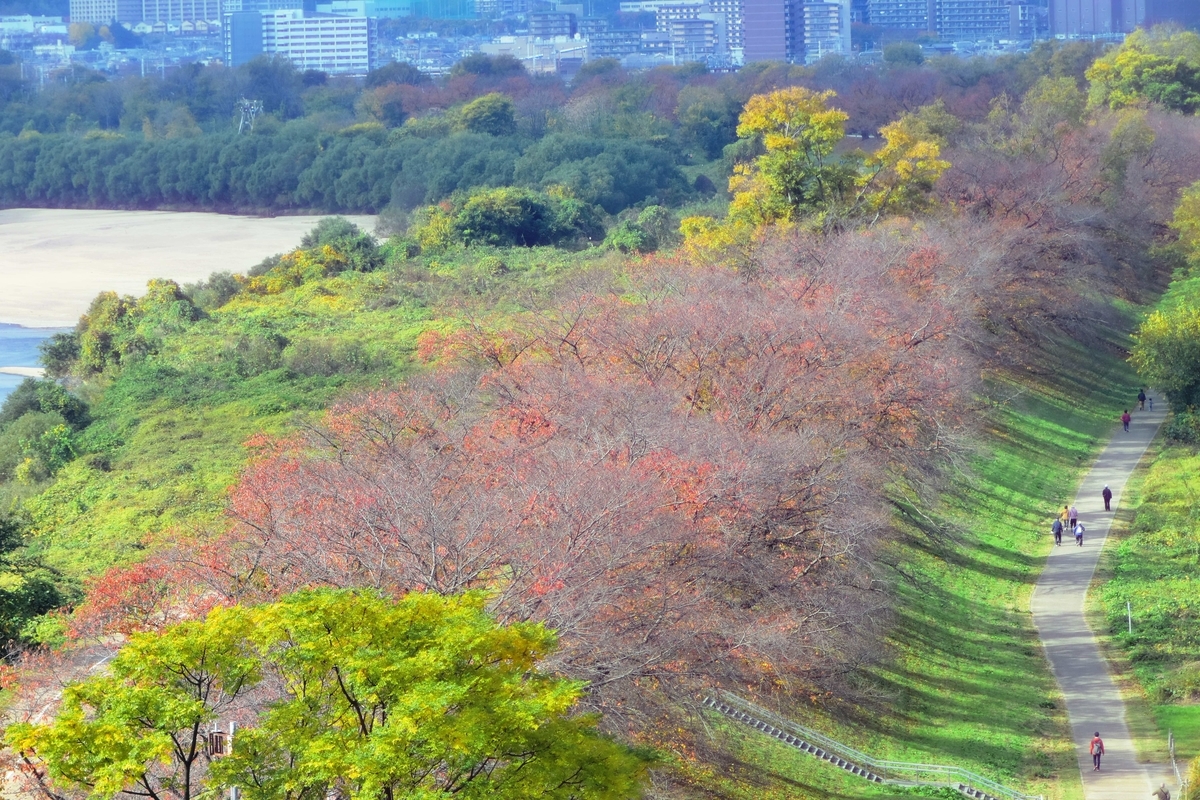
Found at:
[1096, 748]
[1125, 419]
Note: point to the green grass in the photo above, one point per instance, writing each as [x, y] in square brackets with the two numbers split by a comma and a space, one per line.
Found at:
[1154, 566]
[963, 680]
[169, 431]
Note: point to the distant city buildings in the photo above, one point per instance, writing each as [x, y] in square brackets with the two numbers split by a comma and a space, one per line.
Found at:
[557, 54]
[1103, 17]
[333, 43]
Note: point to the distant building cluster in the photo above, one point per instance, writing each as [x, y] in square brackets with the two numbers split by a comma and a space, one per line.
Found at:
[341, 36]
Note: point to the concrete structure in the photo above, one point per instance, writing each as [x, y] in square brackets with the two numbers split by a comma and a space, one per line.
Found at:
[234, 6]
[606, 42]
[27, 23]
[734, 11]
[102, 12]
[771, 30]
[548, 24]
[1093, 17]
[971, 20]
[561, 53]
[826, 29]
[333, 43]
[1087, 17]
[382, 9]
[168, 11]
[902, 14]
[962, 20]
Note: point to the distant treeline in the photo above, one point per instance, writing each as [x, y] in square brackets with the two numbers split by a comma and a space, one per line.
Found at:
[303, 169]
[612, 138]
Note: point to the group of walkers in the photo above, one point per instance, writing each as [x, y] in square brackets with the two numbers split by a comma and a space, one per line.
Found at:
[1068, 520]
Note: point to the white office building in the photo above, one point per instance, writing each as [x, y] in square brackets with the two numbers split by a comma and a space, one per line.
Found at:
[333, 43]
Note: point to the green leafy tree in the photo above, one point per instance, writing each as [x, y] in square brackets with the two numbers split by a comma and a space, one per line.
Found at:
[426, 697]
[493, 114]
[903, 54]
[140, 728]
[798, 172]
[1166, 353]
[1158, 66]
[350, 693]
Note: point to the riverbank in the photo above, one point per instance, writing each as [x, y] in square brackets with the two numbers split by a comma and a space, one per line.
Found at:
[57, 260]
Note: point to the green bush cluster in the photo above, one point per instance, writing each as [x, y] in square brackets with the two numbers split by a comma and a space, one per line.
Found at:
[507, 217]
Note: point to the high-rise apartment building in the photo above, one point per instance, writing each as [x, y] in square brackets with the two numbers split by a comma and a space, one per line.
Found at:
[902, 14]
[332, 43]
[772, 30]
[1090, 17]
[826, 29]
[733, 11]
[178, 10]
[970, 20]
[102, 12]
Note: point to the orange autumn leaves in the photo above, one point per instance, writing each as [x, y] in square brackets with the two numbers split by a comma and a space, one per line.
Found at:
[681, 471]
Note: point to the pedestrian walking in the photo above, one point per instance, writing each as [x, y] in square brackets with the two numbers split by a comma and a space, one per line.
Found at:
[1151, 399]
[1057, 529]
[1065, 517]
[1073, 516]
[1141, 399]
[1125, 420]
[1162, 793]
[1079, 534]
[1107, 495]
[1096, 748]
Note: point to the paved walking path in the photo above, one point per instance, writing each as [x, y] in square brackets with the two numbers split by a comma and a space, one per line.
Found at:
[1093, 701]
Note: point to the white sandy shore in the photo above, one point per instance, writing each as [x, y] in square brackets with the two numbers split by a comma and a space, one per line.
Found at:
[24, 372]
[53, 262]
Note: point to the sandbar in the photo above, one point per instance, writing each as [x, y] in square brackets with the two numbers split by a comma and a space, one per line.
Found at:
[54, 261]
[23, 372]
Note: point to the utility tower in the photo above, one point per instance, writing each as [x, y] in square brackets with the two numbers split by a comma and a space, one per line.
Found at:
[249, 109]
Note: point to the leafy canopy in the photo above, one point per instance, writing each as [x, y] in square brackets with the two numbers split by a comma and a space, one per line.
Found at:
[424, 697]
[1158, 66]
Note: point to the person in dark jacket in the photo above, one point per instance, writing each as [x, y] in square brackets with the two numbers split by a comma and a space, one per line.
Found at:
[1141, 399]
[1057, 529]
[1107, 495]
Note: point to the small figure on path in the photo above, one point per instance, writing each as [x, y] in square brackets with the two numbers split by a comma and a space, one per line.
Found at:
[1073, 516]
[1096, 748]
[1057, 529]
[1162, 793]
[1151, 399]
[1065, 517]
[1079, 534]
[1125, 420]
[1107, 495]
[1141, 399]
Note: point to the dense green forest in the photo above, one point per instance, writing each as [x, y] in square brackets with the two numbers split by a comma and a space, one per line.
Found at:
[799, 453]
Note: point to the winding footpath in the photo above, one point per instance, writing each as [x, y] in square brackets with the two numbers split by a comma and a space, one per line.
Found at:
[1093, 700]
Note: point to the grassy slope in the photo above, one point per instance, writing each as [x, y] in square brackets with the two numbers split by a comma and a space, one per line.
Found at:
[169, 434]
[967, 683]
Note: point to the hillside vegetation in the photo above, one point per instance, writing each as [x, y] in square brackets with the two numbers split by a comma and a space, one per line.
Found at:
[806, 456]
